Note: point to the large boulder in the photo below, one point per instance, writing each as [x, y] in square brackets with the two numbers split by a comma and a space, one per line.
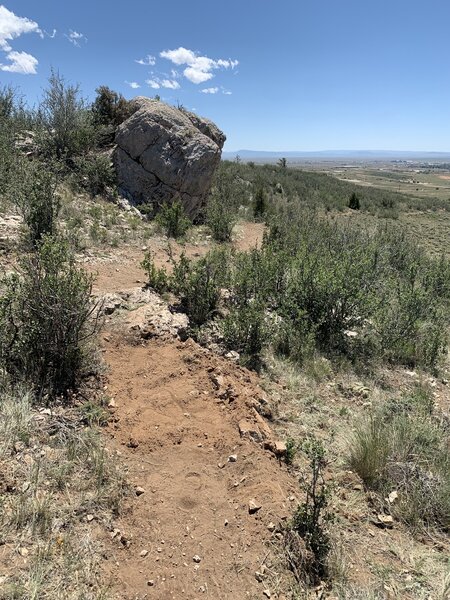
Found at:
[163, 153]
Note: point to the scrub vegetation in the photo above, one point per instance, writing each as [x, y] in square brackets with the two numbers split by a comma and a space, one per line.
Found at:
[340, 302]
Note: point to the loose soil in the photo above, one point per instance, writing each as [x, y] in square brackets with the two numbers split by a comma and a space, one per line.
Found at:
[175, 437]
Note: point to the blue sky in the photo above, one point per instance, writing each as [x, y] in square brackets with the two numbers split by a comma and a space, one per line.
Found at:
[280, 75]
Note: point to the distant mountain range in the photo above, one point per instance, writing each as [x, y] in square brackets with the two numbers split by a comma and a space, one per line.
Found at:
[355, 154]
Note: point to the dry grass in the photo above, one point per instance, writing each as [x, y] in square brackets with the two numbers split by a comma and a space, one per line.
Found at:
[404, 447]
[364, 561]
[58, 483]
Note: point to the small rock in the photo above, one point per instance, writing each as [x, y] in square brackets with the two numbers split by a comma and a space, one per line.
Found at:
[393, 497]
[358, 487]
[89, 518]
[278, 448]
[132, 443]
[232, 458]
[385, 521]
[23, 552]
[271, 527]
[125, 540]
[143, 553]
[19, 447]
[218, 381]
[253, 506]
[267, 593]
[28, 460]
[259, 577]
[139, 490]
[112, 403]
[250, 430]
[150, 583]
[196, 558]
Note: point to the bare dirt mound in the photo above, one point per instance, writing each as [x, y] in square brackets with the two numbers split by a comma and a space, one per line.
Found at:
[179, 414]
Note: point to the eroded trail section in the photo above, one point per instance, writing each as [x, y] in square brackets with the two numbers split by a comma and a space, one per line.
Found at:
[189, 433]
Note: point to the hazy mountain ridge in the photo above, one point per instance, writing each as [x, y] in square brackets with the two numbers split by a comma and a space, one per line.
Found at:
[372, 154]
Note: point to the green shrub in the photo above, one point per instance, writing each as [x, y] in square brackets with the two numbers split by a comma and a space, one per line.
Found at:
[223, 203]
[8, 153]
[67, 127]
[46, 319]
[94, 173]
[199, 283]
[156, 278]
[291, 451]
[245, 330]
[34, 193]
[354, 202]
[310, 522]
[173, 220]
[220, 219]
[109, 107]
[294, 338]
[335, 280]
[259, 202]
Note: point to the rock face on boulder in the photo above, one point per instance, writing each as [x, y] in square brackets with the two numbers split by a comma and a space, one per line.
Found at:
[163, 154]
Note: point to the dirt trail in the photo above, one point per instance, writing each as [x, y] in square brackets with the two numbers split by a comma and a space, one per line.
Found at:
[179, 414]
[176, 437]
[122, 270]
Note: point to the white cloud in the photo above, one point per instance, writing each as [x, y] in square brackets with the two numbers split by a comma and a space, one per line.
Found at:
[198, 68]
[133, 84]
[75, 37]
[170, 84]
[227, 64]
[20, 62]
[11, 27]
[157, 83]
[153, 84]
[147, 60]
[227, 92]
[197, 75]
[211, 90]
[180, 56]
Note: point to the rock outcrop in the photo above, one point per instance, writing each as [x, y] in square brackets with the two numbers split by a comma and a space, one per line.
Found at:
[163, 153]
